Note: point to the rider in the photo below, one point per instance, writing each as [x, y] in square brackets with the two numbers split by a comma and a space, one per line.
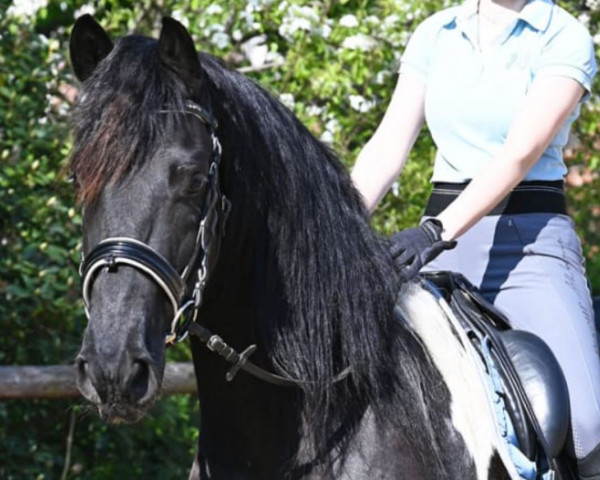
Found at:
[499, 83]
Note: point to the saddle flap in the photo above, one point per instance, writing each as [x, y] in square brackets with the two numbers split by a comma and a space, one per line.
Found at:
[543, 382]
[535, 391]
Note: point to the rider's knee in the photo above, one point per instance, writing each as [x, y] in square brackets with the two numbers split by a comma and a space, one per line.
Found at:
[589, 465]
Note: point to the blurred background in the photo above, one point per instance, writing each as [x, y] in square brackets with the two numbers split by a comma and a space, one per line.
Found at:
[333, 62]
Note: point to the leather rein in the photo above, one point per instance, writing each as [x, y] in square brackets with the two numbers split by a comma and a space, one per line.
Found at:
[112, 252]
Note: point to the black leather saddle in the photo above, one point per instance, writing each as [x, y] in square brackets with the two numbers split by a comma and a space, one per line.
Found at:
[534, 388]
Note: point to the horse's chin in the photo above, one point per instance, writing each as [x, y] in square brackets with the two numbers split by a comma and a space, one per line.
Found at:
[118, 413]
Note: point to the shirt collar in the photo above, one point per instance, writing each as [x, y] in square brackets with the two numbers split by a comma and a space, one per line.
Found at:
[467, 10]
[464, 19]
[536, 13]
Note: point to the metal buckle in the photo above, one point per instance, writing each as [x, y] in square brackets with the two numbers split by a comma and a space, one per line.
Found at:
[179, 332]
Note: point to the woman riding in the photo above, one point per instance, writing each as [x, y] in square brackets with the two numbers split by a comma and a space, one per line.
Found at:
[499, 83]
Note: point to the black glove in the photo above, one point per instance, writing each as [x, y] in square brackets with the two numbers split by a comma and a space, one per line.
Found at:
[413, 248]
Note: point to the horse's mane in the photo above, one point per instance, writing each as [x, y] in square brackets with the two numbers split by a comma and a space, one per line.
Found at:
[331, 303]
[339, 283]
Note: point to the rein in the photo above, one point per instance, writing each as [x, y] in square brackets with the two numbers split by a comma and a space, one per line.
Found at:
[240, 361]
[115, 251]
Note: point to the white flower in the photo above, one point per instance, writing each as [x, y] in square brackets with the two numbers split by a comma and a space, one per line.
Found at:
[382, 76]
[85, 10]
[584, 18]
[404, 37]
[213, 9]
[256, 5]
[293, 25]
[324, 31]
[593, 5]
[248, 17]
[297, 18]
[307, 12]
[220, 39]
[327, 137]
[360, 103]
[288, 100]
[349, 21]
[256, 50]
[331, 128]
[275, 58]
[180, 17]
[391, 21]
[26, 8]
[237, 35]
[372, 20]
[314, 110]
[360, 41]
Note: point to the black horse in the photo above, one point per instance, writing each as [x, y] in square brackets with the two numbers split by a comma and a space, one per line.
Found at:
[265, 242]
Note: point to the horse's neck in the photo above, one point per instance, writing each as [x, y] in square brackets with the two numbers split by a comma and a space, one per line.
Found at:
[248, 428]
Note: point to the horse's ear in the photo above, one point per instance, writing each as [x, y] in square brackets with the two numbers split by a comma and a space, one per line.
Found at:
[176, 50]
[88, 45]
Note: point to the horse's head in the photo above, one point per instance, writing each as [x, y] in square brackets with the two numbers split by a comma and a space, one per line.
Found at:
[145, 162]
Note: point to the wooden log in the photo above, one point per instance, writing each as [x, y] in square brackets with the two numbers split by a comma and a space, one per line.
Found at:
[58, 381]
[179, 378]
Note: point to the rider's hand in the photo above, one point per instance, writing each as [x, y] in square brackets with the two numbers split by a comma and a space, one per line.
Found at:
[413, 248]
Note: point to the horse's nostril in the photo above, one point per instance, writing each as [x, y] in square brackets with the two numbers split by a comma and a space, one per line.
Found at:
[83, 374]
[140, 380]
[85, 381]
[81, 367]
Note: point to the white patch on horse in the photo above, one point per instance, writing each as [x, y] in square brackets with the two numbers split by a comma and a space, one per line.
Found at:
[472, 414]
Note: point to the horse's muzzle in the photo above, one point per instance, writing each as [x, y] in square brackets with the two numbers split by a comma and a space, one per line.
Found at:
[122, 392]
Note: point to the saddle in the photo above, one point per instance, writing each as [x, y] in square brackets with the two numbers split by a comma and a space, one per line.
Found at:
[530, 381]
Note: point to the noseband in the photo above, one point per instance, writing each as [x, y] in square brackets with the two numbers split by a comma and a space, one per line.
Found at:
[113, 252]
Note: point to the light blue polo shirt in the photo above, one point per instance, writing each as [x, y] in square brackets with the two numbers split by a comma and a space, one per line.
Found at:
[471, 98]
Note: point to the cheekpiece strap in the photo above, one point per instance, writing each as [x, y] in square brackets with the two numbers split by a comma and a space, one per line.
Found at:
[202, 113]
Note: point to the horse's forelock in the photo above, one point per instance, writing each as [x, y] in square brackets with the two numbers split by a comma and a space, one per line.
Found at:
[120, 118]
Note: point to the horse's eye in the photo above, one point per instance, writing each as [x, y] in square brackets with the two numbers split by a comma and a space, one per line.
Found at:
[196, 184]
[188, 178]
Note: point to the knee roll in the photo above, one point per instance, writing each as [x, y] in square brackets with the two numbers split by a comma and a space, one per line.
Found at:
[589, 466]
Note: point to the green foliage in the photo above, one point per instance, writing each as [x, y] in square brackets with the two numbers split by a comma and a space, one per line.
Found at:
[40, 307]
[38, 222]
[35, 433]
[332, 61]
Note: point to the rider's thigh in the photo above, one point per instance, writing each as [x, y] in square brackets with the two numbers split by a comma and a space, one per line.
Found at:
[547, 293]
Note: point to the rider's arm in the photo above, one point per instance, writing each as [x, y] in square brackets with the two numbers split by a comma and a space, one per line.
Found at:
[545, 108]
[382, 158]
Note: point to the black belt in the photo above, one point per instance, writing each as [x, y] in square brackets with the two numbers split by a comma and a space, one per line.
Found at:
[526, 197]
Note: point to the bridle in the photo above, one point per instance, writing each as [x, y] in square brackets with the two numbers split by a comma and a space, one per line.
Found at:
[115, 251]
